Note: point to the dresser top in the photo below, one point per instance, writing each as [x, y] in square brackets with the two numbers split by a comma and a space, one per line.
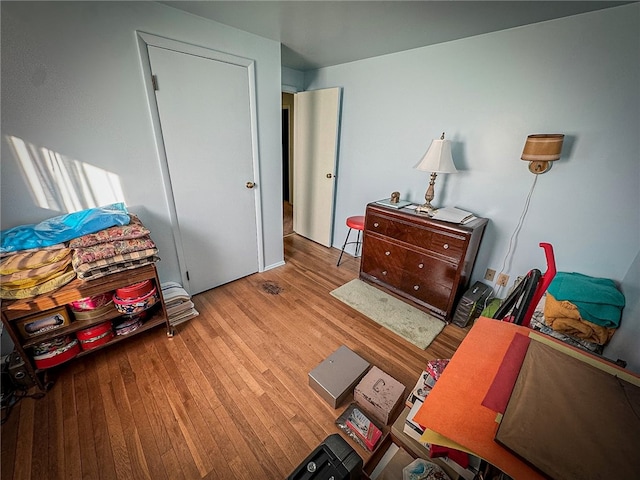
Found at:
[415, 217]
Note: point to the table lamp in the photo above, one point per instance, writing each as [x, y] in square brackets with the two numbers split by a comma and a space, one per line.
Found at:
[542, 149]
[438, 159]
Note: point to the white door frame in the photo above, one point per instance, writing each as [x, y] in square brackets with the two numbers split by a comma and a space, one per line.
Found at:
[146, 39]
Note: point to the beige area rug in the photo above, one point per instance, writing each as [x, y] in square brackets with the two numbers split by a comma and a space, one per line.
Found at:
[412, 324]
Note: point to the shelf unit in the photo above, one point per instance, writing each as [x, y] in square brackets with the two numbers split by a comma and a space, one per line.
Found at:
[13, 310]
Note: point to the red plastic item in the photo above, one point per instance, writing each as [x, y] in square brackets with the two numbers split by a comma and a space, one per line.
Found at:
[543, 283]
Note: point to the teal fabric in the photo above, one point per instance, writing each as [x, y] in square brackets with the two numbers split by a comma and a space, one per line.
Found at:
[598, 299]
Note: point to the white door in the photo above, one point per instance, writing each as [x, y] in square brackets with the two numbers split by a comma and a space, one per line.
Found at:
[205, 118]
[314, 163]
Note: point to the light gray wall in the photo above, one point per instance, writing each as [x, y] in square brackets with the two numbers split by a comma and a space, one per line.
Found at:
[579, 76]
[72, 90]
[292, 80]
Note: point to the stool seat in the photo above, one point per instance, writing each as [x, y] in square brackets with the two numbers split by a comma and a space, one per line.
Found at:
[354, 223]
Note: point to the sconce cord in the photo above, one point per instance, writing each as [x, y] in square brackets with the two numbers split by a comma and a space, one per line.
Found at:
[512, 240]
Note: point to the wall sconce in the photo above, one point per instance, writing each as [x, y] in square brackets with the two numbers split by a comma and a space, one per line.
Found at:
[438, 159]
[542, 149]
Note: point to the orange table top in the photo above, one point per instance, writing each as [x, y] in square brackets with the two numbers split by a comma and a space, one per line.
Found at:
[454, 407]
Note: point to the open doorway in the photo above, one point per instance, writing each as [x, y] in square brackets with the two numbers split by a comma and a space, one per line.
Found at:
[310, 164]
[287, 164]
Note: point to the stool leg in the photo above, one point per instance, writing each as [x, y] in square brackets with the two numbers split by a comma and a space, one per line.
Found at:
[358, 244]
[343, 246]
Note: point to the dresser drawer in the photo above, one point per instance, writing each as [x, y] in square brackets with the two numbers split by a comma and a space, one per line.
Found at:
[384, 226]
[383, 260]
[438, 241]
[442, 243]
[429, 279]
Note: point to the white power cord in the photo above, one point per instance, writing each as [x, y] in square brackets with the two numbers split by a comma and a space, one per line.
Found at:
[517, 229]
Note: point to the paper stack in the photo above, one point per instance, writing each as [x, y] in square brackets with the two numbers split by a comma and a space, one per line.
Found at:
[178, 302]
[453, 215]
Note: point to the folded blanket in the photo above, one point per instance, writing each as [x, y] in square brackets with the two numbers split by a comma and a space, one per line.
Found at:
[34, 276]
[83, 268]
[135, 229]
[109, 269]
[597, 299]
[24, 260]
[46, 287]
[564, 316]
[105, 251]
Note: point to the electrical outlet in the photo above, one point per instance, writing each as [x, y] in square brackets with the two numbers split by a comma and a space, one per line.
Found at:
[490, 274]
[503, 279]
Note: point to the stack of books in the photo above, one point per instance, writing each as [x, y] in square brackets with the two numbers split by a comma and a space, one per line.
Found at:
[465, 465]
[178, 303]
[421, 390]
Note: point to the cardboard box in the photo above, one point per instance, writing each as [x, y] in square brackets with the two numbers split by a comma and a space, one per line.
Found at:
[336, 376]
[380, 395]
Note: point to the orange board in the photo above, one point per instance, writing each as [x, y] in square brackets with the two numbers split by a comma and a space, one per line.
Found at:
[454, 406]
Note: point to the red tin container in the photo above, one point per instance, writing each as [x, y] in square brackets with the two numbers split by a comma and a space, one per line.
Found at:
[95, 336]
[69, 349]
[136, 290]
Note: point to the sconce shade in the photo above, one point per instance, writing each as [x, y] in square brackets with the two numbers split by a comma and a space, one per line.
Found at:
[438, 158]
[543, 147]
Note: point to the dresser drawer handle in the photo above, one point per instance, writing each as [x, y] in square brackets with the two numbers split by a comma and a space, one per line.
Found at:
[387, 253]
[446, 246]
[421, 265]
[376, 224]
[416, 287]
[384, 273]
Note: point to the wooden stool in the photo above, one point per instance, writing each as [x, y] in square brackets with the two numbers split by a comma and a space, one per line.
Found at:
[356, 223]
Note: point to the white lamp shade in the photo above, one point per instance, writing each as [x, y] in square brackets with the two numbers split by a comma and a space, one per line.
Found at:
[438, 158]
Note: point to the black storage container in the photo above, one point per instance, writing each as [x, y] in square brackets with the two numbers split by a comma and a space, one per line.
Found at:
[332, 459]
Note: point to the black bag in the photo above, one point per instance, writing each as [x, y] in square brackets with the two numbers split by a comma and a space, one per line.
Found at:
[333, 458]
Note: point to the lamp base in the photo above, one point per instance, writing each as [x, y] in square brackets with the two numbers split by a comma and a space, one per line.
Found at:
[426, 208]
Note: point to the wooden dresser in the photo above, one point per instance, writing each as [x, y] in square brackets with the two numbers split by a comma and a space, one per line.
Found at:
[424, 261]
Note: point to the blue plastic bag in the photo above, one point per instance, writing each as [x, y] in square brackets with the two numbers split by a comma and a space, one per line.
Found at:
[63, 228]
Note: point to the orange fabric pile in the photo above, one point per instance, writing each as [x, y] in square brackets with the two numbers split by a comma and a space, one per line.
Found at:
[564, 316]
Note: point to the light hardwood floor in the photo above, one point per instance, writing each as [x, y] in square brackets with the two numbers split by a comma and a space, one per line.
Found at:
[226, 398]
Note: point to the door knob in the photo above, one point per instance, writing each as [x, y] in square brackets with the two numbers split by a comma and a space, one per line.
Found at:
[250, 184]
[329, 175]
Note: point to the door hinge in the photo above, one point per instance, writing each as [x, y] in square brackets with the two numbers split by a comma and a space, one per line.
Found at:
[154, 81]
[188, 276]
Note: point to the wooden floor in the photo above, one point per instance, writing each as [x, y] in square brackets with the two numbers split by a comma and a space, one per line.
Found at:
[226, 398]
